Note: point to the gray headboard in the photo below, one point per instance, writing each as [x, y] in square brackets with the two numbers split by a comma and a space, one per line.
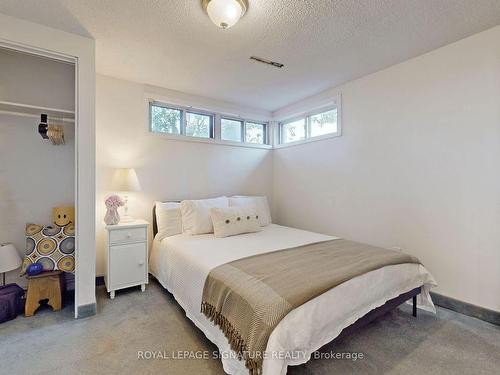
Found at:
[155, 224]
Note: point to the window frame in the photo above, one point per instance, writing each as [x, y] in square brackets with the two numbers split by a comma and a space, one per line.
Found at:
[215, 128]
[165, 106]
[266, 132]
[211, 134]
[281, 124]
[307, 123]
[242, 129]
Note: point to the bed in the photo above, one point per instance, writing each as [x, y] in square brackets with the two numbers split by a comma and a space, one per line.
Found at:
[181, 264]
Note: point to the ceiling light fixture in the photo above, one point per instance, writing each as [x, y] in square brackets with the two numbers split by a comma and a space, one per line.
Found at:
[225, 13]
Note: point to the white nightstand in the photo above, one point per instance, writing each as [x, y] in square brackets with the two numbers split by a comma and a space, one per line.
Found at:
[127, 256]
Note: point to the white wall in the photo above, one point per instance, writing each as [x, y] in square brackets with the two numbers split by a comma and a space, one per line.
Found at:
[167, 169]
[418, 166]
[35, 176]
[24, 34]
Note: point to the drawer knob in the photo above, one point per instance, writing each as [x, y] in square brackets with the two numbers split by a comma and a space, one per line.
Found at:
[141, 263]
[129, 235]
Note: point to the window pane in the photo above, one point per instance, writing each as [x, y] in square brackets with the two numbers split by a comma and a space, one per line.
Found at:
[324, 123]
[255, 133]
[198, 125]
[165, 120]
[231, 130]
[293, 131]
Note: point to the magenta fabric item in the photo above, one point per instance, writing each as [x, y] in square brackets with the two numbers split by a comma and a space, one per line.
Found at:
[11, 302]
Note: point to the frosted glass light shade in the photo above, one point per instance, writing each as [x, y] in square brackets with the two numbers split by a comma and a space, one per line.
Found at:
[125, 179]
[225, 13]
[9, 258]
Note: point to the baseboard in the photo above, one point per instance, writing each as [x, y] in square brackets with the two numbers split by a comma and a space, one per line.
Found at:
[85, 311]
[465, 308]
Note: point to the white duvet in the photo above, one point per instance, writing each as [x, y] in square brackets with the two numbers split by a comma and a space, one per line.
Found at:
[181, 264]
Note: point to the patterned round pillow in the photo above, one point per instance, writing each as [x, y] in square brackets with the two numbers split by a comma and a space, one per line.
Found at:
[53, 247]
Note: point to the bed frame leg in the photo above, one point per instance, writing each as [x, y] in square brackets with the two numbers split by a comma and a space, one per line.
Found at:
[414, 306]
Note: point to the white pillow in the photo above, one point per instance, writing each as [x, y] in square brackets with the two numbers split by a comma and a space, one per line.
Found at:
[196, 214]
[168, 219]
[231, 221]
[260, 204]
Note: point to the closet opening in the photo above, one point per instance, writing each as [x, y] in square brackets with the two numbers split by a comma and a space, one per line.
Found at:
[38, 174]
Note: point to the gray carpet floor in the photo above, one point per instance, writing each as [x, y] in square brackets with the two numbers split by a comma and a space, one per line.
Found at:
[108, 343]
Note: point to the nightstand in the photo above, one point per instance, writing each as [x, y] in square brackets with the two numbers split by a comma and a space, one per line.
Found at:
[127, 256]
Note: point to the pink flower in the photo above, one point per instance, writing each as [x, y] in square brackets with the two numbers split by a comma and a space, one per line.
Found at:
[114, 201]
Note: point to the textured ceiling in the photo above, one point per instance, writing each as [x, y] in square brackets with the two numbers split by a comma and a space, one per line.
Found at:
[323, 43]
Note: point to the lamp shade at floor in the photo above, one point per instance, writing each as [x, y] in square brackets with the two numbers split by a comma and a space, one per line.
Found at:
[9, 259]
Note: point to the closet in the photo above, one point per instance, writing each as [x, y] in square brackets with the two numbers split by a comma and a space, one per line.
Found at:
[37, 145]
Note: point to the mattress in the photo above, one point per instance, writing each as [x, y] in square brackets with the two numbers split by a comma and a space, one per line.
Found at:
[181, 264]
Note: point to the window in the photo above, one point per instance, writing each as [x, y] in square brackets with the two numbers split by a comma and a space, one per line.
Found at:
[196, 123]
[255, 133]
[293, 131]
[313, 125]
[231, 130]
[199, 125]
[165, 120]
[324, 123]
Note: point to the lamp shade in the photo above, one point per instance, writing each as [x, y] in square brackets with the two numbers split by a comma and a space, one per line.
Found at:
[125, 179]
[9, 258]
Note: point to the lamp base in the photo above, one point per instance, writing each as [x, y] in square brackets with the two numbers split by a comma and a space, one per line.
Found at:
[126, 219]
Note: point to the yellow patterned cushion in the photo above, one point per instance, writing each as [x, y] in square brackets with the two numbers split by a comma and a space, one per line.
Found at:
[52, 246]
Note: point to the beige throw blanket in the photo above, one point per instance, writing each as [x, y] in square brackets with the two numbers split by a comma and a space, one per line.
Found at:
[248, 297]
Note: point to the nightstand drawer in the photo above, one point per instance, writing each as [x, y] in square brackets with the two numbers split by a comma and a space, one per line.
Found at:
[127, 265]
[127, 235]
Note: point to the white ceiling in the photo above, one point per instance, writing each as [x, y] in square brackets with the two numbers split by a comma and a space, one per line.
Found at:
[323, 43]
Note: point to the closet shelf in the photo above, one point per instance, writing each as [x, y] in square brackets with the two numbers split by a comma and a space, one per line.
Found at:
[34, 111]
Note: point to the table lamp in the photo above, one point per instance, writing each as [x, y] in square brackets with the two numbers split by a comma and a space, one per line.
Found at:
[125, 180]
[9, 259]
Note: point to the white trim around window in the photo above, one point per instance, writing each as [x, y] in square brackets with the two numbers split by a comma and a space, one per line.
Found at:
[215, 126]
[306, 116]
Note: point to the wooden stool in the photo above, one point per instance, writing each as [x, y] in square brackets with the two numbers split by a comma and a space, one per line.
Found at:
[46, 285]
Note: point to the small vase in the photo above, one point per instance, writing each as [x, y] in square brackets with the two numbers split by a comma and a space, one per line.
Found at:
[112, 216]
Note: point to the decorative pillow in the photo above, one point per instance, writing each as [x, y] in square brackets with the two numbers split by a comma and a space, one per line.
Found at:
[168, 219]
[231, 221]
[196, 214]
[260, 203]
[52, 246]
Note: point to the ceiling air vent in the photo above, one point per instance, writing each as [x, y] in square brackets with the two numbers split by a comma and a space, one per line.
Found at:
[268, 62]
